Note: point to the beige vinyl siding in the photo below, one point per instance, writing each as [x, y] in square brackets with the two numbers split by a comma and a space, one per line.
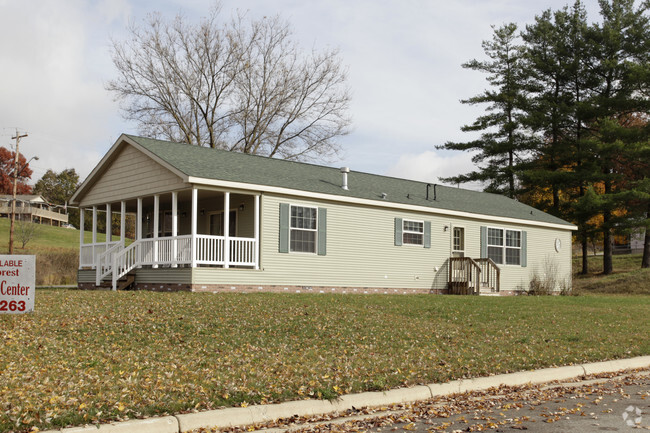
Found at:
[361, 252]
[86, 276]
[163, 275]
[540, 252]
[131, 174]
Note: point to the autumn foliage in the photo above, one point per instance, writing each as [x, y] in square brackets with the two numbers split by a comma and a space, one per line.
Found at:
[7, 166]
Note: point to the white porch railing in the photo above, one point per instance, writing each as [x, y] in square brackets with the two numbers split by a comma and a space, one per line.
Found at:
[89, 253]
[174, 251]
[104, 262]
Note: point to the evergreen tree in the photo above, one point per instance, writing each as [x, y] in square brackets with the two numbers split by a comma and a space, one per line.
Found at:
[557, 61]
[503, 145]
[622, 46]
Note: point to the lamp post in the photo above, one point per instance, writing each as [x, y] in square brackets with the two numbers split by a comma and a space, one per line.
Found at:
[13, 202]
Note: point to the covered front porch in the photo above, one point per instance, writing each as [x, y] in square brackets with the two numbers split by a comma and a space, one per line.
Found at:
[186, 228]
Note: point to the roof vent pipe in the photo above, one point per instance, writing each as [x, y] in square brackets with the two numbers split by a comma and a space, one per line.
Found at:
[345, 171]
[434, 190]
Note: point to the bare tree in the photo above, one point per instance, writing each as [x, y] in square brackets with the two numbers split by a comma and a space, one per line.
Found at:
[27, 230]
[244, 85]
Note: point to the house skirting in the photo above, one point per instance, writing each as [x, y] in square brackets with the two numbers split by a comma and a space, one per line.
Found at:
[247, 288]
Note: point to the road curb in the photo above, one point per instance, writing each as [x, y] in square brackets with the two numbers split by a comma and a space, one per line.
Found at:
[167, 424]
[241, 416]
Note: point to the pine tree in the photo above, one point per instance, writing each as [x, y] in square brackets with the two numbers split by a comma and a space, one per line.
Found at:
[622, 46]
[503, 145]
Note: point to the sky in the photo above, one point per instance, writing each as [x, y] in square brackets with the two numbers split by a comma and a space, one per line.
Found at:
[403, 57]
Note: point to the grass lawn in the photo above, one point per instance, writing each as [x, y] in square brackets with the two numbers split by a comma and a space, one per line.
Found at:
[86, 357]
[46, 238]
[627, 278]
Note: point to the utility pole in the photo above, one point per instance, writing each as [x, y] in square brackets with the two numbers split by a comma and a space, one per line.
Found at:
[13, 202]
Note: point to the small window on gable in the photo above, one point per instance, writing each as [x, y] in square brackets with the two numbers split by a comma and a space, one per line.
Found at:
[303, 229]
[413, 232]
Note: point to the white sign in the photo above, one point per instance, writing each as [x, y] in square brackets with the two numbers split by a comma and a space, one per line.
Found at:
[17, 284]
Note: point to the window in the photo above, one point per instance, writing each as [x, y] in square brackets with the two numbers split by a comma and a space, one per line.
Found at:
[504, 245]
[303, 229]
[458, 242]
[413, 232]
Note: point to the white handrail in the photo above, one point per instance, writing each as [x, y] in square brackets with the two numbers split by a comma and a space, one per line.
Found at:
[104, 263]
[177, 250]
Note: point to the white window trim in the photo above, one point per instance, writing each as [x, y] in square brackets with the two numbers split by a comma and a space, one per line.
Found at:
[404, 231]
[504, 246]
[291, 206]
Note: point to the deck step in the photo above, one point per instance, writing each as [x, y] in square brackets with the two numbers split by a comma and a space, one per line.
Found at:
[125, 282]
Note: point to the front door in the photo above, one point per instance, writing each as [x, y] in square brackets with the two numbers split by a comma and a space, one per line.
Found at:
[216, 224]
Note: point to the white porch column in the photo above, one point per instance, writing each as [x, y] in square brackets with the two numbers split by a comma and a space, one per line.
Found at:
[81, 235]
[195, 202]
[109, 224]
[138, 222]
[138, 230]
[94, 224]
[156, 209]
[122, 221]
[94, 256]
[174, 228]
[226, 230]
[256, 223]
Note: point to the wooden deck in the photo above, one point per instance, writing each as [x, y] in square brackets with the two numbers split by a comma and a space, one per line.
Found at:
[468, 276]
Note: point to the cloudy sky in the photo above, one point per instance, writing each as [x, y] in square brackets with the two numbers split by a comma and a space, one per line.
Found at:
[403, 57]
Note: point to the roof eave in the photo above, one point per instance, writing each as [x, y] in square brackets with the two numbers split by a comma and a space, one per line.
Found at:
[369, 202]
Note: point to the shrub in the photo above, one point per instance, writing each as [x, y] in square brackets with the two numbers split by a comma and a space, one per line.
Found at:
[56, 267]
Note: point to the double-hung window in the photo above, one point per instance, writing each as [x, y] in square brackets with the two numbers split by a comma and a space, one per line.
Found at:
[413, 232]
[504, 246]
[303, 229]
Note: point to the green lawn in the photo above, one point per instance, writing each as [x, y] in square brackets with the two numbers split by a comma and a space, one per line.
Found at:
[98, 356]
[628, 277]
[46, 238]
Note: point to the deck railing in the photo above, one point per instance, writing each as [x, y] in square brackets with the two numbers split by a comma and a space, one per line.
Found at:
[89, 253]
[467, 276]
[104, 263]
[175, 251]
[490, 274]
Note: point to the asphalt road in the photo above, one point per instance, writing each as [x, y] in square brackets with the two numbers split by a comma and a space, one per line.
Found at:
[604, 404]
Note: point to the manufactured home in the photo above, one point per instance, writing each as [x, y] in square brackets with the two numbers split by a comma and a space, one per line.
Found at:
[212, 220]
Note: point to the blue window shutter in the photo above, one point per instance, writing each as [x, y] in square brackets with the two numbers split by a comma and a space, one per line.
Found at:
[524, 252]
[484, 248]
[398, 231]
[284, 228]
[427, 234]
[322, 231]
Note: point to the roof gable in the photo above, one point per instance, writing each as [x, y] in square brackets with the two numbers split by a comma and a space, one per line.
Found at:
[127, 171]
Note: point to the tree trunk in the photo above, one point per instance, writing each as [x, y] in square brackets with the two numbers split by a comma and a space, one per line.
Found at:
[607, 247]
[608, 267]
[645, 261]
[585, 253]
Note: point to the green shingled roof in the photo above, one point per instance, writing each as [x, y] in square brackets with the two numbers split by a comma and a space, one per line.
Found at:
[210, 163]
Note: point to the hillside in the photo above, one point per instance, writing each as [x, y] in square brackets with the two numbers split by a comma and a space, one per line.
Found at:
[56, 250]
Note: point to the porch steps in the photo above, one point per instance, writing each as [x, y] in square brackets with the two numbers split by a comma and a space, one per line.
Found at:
[488, 292]
[125, 282]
